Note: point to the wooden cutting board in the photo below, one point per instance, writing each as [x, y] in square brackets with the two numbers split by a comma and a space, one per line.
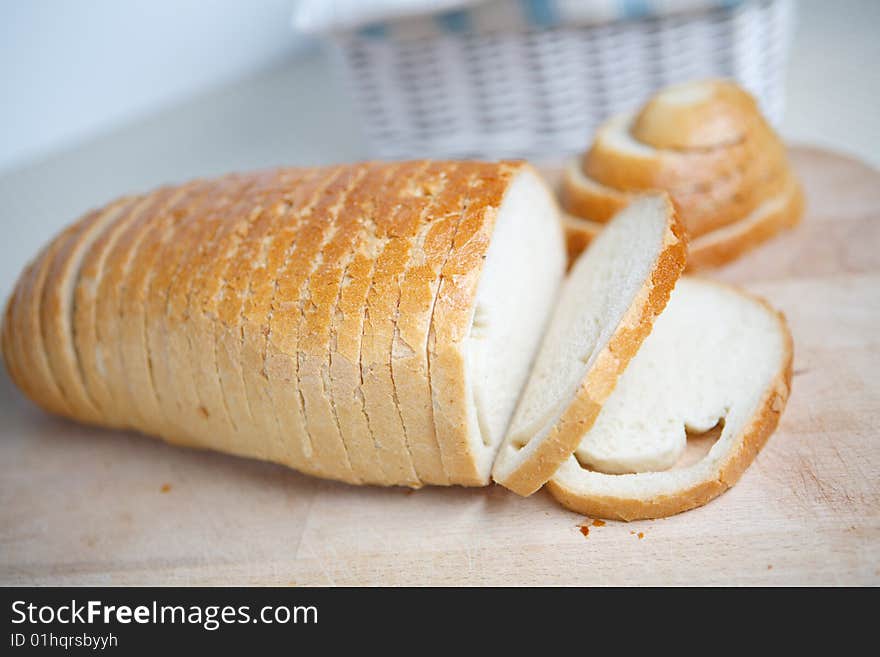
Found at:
[85, 506]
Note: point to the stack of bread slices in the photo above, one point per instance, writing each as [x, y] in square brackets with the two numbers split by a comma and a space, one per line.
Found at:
[707, 145]
[406, 324]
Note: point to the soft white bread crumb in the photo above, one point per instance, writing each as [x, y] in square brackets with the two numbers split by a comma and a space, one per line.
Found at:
[716, 354]
[524, 267]
[612, 293]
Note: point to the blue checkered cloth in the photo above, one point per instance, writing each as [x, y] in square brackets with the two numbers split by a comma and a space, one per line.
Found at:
[425, 18]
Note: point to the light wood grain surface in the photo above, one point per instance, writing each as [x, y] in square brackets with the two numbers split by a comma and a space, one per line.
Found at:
[85, 506]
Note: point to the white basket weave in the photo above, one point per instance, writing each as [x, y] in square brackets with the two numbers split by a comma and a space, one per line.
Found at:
[542, 92]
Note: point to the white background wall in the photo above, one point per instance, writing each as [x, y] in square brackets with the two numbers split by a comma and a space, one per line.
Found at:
[94, 103]
[71, 69]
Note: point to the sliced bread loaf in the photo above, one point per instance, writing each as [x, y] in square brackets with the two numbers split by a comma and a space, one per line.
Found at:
[605, 310]
[716, 357]
[287, 315]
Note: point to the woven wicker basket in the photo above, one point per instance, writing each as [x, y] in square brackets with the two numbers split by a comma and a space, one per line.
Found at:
[537, 92]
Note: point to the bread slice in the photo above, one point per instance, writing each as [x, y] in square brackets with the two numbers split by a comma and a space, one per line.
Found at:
[585, 198]
[214, 321]
[57, 307]
[249, 406]
[606, 309]
[704, 204]
[287, 331]
[346, 384]
[293, 253]
[12, 357]
[719, 246]
[221, 412]
[175, 240]
[443, 194]
[490, 313]
[382, 407]
[85, 309]
[716, 356]
[269, 374]
[319, 315]
[102, 325]
[418, 294]
[137, 358]
[25, 342]
[417, 204]
[728, 243]
[120, 406]
[193, 234]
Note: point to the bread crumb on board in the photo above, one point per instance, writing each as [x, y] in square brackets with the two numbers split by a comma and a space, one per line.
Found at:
[585, 526]
[165, 488]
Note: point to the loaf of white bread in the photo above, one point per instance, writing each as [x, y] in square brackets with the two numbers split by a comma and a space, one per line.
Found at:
[396, 324]
[707, 145]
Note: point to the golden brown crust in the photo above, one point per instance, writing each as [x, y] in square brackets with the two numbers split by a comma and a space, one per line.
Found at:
[57, 308]
[577, 418]
[317, 227]
[705, 143]
[174, 241]
[245, 390]
[209, 415]
[381, 404]
[121, 406]
[743, 451]
[268, 369]
[39, 381]
[133, 358]
[584, 198]
[720, 246]
[415, 206]
[319, 308]
[731, 242]
[224, 408]
[717, 113]
[7, 350]
[710, 188]
[84, 311]
[12, 351]
[453, 314]
[346, 392]
[418, 291]
[416, 307]
[578, 234]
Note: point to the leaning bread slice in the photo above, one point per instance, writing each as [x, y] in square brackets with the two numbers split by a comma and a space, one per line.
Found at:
[606, 308]
[716, 357]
